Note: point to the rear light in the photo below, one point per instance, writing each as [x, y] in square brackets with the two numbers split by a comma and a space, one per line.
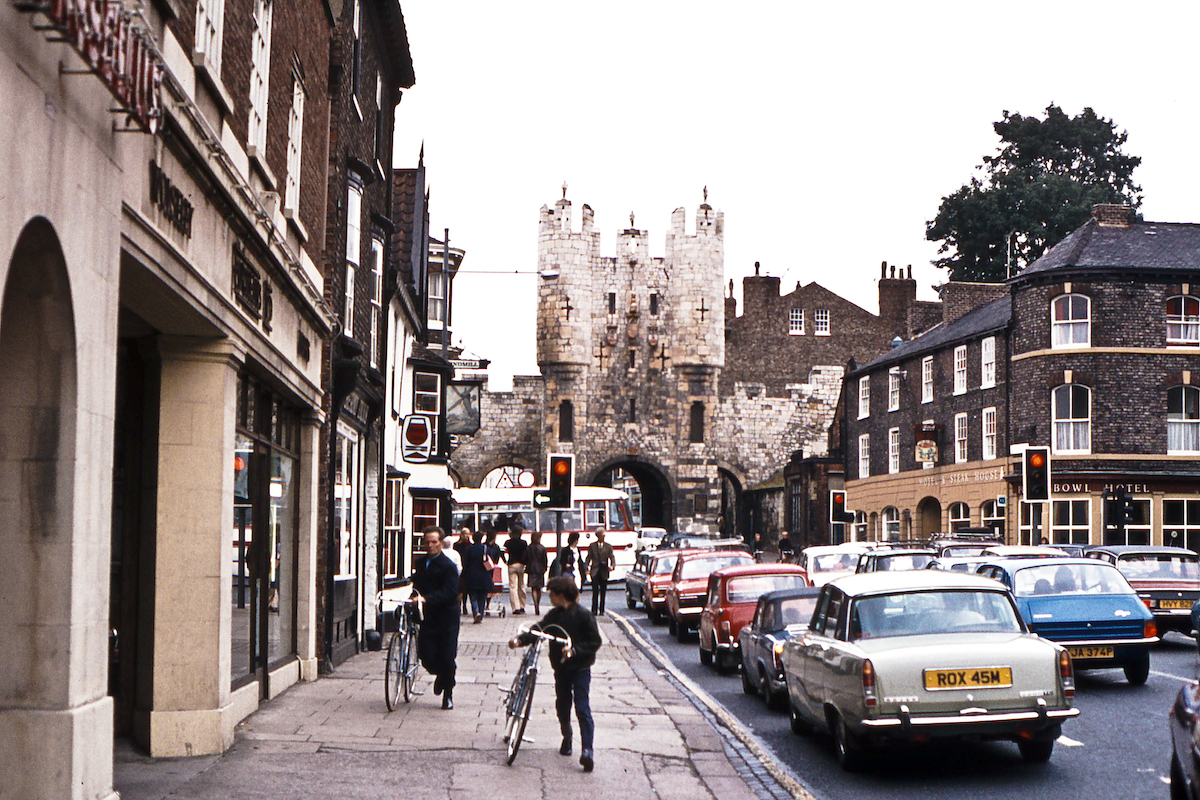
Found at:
[1149, 630]
[725, 627]
[1149, 603]
[868, 680]
[1066, 674]
[777, 651]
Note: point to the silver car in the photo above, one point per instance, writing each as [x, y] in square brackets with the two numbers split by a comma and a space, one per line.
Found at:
[909, 656]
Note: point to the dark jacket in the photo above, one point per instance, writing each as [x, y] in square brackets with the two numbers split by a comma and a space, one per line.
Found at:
[535, 559]
[478, 579]
[436, 580]
[515, 551]
[581, 626]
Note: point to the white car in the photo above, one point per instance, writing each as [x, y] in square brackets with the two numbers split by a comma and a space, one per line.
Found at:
[823, 563]
[649, 538]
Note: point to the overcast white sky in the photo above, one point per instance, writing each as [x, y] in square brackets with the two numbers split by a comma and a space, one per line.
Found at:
[827, 133]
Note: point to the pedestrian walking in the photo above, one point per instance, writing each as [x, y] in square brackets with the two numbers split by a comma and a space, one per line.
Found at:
[516, 555]
[573, 666]
[435, 580]
[566, 557]
[535, 569]
[600, 563]
[460, 547]
[478, 575]
[496, 558]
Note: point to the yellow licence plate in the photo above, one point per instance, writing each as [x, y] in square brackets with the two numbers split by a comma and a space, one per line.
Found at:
[970, 678]
[1090, 652]
[1174, 603]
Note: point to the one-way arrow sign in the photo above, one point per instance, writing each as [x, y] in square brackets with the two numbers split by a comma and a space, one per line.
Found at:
[541, 498]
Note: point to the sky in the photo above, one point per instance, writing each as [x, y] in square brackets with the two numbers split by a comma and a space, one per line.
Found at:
[826, 132]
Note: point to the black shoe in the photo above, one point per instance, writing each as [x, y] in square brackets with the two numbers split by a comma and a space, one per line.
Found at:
[585, 760]
[447, 702]
[565, 749]
[437, 684]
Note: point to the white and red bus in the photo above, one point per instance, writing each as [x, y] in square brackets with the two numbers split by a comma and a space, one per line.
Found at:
[594, 507]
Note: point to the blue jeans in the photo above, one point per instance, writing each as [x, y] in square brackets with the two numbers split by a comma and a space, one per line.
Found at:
[575, 685]
[478, 600]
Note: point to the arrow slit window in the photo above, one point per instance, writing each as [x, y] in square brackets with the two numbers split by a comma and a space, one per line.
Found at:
[566, 421]
[696, 423]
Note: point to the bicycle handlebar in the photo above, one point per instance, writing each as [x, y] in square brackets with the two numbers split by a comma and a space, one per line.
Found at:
[549, 637]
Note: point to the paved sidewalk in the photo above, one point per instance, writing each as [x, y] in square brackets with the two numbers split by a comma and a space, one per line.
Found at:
[335, 738]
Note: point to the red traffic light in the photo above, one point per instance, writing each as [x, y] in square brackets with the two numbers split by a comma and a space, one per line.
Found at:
[1037, 460]
[562, 466]
[839, 499]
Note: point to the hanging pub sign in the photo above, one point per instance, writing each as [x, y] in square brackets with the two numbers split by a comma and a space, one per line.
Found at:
[416, 439]
[927, 448]
[113, 48]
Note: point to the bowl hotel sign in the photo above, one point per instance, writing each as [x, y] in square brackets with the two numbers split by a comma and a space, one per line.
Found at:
[113, 47]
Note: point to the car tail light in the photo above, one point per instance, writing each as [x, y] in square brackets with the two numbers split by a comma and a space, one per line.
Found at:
[1149, 630]
[868, 679]
[725, 627]
[1066, 674]
[1149, 603]
[777, 651]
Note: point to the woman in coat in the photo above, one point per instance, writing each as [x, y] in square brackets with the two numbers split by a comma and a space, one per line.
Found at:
[477, 577]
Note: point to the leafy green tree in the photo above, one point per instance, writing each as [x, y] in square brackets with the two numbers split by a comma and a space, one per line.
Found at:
[1039, 187]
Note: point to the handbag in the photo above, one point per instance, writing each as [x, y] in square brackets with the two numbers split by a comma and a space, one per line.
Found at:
[555, 568]
[488, 564]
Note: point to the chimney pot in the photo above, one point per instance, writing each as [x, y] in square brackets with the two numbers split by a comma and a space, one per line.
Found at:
[755, 267]
[893, 270]
[883, 270]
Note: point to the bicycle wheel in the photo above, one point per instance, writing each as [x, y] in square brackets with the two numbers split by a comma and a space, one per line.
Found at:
[391, 673]
[513, 700]
[410, 662]
[521, 718]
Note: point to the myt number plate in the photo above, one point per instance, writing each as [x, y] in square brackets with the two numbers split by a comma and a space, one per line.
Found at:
[969, 678]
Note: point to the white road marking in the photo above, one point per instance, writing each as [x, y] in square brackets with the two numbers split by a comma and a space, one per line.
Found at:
[1067, 741]
[1164, 779]
[1169, 675]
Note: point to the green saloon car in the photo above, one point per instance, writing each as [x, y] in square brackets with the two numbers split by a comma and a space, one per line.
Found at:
[913, 656]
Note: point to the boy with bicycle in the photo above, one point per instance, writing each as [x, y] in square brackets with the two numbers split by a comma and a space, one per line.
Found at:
[572, 666]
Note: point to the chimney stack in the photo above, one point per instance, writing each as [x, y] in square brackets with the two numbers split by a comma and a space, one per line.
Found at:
[1112, 215]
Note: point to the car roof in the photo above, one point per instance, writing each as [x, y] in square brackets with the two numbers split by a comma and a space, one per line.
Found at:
[845, 547]
[691, 555]
[675, 551]
[739, 570]
[1014, 564]
[1126, 549]
[885, 582]
[1039, 550]
[904, 551]
[789, 594]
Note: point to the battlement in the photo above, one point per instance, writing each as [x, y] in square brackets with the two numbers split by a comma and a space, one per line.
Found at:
[555, 223]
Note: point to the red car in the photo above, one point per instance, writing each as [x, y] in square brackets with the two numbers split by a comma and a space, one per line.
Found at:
[658, 578]
[689, 586]
[733, 593]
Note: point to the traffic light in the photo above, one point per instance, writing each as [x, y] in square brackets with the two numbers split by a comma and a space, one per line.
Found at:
[837, 507]
[1125, 506]
[1035, 477]
[560, 480]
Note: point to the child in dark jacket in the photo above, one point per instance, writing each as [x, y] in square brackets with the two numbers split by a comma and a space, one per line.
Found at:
[572, 666]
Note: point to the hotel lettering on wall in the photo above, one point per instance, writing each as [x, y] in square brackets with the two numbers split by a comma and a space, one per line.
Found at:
[114, 47]
[252, 291]
[170, 202]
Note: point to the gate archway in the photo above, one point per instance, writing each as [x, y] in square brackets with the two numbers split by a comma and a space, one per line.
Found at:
[657, 497]
[929, 517]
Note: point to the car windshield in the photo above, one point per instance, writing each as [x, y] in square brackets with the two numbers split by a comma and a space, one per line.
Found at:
[751, 587]
[665, 565]
[796, 610]
[703, 567]
[1052, 579]
[932, 612]
[905, 561]
[1160, 567]
[957, 550]
[834, 562]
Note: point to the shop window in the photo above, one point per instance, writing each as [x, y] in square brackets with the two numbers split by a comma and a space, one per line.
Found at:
[1183, 419]
[1071, 320]
[960, 369]
[1183, 320]
[960, 516]
[1136, 532]
[1028, 514]
[992, 516]
[860, 526]
[1181, 523]
[566, 421]
[796, 322]
[696, 423]
[1070, 522]
[891, 523]
[345, 491]
[987, 362]
[1071, 408]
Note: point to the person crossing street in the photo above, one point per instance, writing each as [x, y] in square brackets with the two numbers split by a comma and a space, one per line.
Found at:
[600, 563]
[435, 579]
[515, 555]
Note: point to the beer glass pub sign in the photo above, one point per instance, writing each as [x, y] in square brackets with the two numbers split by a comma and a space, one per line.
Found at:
[416, 439]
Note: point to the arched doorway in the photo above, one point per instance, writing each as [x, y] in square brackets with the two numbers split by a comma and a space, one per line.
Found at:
[929, 517]
[656, 501]
[507, 476]
[733, 518]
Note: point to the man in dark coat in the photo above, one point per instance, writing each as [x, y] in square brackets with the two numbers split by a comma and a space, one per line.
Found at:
[435, 579]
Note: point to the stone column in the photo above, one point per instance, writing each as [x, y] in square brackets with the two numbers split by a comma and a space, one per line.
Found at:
[307, 647]
[191, 712]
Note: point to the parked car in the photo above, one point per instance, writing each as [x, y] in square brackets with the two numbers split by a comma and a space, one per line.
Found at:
[648, 581]
[1085, 605]
[777, 617]
[688, 588]
[824, 562]
[892, 560]
[733, 593]
[1073, 550]
[909, 656]
[649, 538]
[1166, 578]
[636, 579]
[1185, 749]
[1024, 551]
[967, 565]
[966, 542]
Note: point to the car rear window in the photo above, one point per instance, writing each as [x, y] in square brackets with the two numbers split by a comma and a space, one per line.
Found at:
[1058, 579]
[900, 563]
[932, 612]
[835, 562]
[665, 565]
[703, 567]
[751, 587]
[1160, 567]
[796, 610]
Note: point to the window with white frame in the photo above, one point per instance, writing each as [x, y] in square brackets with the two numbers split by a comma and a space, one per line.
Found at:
[991, 516]
[1072, 410]
[1071, 320]
[796, 322]
[1183, 419]
[376, 295]
[355, 49]
[894, 389]
[438, 290]
[864, 456]
[960, 516]
[1136, 532]
[260, 72]
[345, 494]
[1181, 523]
[860, 526]
[1183, 320]
[393, 528]
[989, 433]
[821, 322]
[960, 438]
[354, 197]
[960, 369]
[210, 15]
[893, 450]
[427, 400]
[1070, 522]
[927, 379]
[426, 511]
[864, 397]
[291, 193]
[987, 362]
[891, 523]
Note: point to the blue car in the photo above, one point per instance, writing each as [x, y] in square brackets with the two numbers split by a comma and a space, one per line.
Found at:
[1085, 605]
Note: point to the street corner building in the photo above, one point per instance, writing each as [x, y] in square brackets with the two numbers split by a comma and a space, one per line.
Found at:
[1091, 351]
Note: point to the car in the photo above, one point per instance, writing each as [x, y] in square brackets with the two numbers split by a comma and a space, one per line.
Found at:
[1085, 605]
[649, 581]
[892, 560]
[777, 617]
[900, 657]
[649, 538]
[636, 579]
[733, 593]
[1185, 747]
[688, 589]
[966, 565]
[1070, 548]
[1023, 551]
[1166, 578]
[825, 562]
[966, 541]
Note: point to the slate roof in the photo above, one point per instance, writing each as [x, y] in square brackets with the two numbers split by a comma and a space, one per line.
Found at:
[988, 317]
[1154, 246]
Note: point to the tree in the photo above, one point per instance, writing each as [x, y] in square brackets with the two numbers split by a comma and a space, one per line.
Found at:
[1040, 186]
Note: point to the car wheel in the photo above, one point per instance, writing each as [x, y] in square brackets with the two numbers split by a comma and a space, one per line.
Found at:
[655, 617]
[672, 628]
[724, 661]
[1136, 672]
[775, 700]
[1178, 783]
[848, 751]
[798, 725]
[629, 601]
[681, 631]
[706, 656]
[1036, 751]
[748, 686]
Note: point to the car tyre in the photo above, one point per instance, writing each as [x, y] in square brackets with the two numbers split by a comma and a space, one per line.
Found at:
[1136, 672]
[672, 628]
[748, 686]
[629, 601]
[1036, 751]
[655, 617]
[681, 632]
[798, 725]
[724, 661]
[848, 751]
[1179, 789]
[706, 656]
[775, 700]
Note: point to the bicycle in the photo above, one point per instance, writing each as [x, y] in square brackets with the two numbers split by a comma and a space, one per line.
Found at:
[400, 672]
[520, 697]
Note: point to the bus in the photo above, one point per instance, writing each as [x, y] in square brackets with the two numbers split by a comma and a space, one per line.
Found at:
[594, 507]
